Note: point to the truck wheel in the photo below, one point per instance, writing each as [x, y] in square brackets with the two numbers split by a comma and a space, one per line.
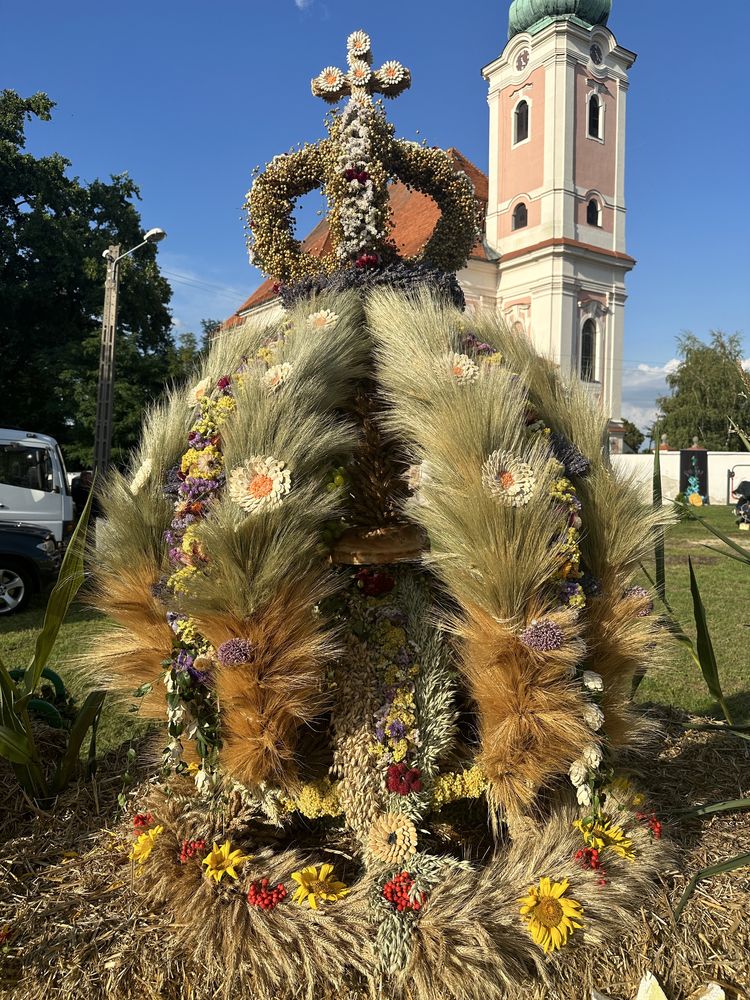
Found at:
[16, 586]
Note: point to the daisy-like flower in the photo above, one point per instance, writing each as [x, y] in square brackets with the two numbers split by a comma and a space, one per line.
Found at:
[509, 480]
[600, 833]
[360, 73]
[325, 319]
[260, 483]
[144, 845]
[141, 477]
[391, 73]
[462, 368]
[592, 681]
[317, 886]
[330, 80]
[199, 391]
[223, 861]
[393, 838]
[593, 717]
[358, 43]
[551, 916]
[276, 376]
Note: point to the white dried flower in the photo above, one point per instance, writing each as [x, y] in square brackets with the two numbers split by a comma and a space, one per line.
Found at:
[391, 73]
[462, 368]
[358, 43]
[329, 81]
[592, 681]
[583, 794]
[141, 477]
[593, 717]
[276, 376]
[592, 755]
[509, 480]
[199, 391]
[360, 73]
[259, 483]
[325, 319]
[579, 773]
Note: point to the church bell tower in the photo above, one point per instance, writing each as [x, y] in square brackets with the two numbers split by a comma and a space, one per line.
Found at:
[556, 207]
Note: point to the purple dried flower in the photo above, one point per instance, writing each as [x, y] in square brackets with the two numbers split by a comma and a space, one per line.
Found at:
[174, 619]
[642, 594]
[397, 730]
[544, 636]
[184, 661]
[380, 733]
[574, 463]
[591, 586]
[173, 482]
[235, 652]
[402, 657]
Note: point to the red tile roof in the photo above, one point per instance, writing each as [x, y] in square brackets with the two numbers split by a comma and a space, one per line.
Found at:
[413, 218]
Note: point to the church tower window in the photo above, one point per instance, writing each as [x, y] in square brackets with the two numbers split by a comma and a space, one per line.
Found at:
[521, 122]
[593, 214]
[595, 117]
[520, 216]
[588, 351]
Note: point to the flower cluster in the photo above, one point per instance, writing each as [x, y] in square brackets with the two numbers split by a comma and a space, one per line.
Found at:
[396, 732]
[400, 779]
[142, 821]
[643, 596]
[462, 368]
[316, 800]
[261, 894]
[402, 893]
[543, 636]
[374, 582]
[651, 821]
[565, 501]
[454, 786]
[589, 857]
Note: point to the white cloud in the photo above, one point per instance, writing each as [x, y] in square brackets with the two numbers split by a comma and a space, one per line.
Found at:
[640, 388]
[303, 4]
[746, 364]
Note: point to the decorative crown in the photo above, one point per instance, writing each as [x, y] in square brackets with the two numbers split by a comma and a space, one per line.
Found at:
[354, 166]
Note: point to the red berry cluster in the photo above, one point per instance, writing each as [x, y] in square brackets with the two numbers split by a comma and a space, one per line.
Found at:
[588, 857]
[367, 260]
[373, 583]
[259, 894]
[141, 821]
[650, 820]
[399, 893]
[190, 848]
[357, 175]
[403, 780]
[224, 382]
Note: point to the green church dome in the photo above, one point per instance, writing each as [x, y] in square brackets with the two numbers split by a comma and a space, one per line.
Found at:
[524, 14]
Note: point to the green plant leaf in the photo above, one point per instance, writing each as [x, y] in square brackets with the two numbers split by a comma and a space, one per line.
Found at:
[729, 806]
[87, 717]
[741, 861]
[15, 746]
[742, 552]
[68, 584]
[706, 656]
[659, 560]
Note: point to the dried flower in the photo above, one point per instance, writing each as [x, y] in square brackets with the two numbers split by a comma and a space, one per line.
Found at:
[592, 755]
[592, 681]
[141, 821]
[235, 652]
[358, 43]
[259, 484]
[403, 780]
[199, 391]
[391, 73]
[316, 886]
[329, 81]
[642, 594]
[223, 861]
[544, 636]
[593, 717]
[325, 319]
[550, 915]
[462, 368]
[144, 845]
[583, 794]
[602, 834]
[509, 480]
[276, 376]
[392, 838]
[579, 773]
[141, 477]
[374, 583]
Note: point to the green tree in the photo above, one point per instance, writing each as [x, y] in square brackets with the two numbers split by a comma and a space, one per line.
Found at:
[633, 437]
[53, 231]
[706, 393]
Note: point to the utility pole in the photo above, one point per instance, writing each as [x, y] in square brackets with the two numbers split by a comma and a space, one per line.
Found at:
[105, 391]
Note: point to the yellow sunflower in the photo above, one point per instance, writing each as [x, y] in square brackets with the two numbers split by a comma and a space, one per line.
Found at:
[551, 917]
[144, 845]
[601, 834]
[223, 860]
[317, 886]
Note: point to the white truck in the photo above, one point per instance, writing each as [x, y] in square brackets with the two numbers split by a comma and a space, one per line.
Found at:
[33, 483]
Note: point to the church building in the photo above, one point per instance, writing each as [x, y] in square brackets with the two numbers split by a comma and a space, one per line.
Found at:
[553, 258]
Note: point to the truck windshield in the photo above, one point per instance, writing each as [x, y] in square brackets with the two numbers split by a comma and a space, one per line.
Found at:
[29, 467]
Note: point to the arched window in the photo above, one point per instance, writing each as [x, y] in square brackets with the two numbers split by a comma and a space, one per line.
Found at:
[520, 216]
[595, 117]
[592, 213]
[521, 120]
[588, 351]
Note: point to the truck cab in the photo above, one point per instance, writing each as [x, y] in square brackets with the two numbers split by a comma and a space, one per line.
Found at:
[33, 483]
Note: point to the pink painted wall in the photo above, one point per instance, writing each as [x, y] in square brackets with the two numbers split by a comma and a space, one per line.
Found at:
[607, 216]
[596, 162]
[522, 168]
[534, 209]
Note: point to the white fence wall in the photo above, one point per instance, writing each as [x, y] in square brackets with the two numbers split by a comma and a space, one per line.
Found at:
[641, 469]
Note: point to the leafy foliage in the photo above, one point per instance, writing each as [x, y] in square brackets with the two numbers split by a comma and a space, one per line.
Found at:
[707, 393]
[633, 437]
[53, 230]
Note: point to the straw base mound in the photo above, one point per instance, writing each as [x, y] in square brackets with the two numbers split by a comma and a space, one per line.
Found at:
[77, 924]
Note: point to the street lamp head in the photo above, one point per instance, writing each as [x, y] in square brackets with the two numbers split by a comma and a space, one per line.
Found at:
[154, 235]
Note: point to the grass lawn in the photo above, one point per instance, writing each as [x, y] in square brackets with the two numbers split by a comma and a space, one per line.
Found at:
[724, 586]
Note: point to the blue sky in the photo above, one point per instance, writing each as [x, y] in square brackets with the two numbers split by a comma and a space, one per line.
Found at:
[189, 97]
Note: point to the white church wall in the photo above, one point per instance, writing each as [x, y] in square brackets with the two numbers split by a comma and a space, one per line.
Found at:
[640, 469]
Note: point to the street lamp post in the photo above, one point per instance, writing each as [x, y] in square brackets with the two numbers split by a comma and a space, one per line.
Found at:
[105, 390]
